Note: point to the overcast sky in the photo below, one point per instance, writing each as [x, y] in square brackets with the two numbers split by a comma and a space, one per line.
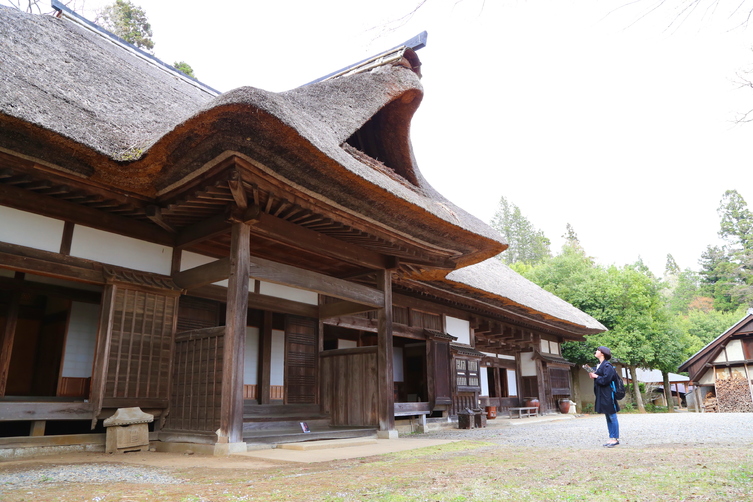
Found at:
[579, 112]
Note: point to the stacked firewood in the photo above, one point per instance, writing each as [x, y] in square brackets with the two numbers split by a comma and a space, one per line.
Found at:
[733, 395]
[709, 403]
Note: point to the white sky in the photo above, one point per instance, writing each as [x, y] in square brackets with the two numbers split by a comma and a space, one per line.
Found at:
[578, 111]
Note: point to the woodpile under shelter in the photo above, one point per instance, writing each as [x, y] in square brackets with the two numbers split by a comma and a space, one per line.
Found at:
[234, 264]
[722, 371]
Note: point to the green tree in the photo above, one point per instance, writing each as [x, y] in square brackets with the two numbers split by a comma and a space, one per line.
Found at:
[526, 243]
[627, 300]
[127, 21]
[184, 67]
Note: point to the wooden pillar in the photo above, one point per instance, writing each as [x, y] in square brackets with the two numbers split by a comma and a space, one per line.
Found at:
[6, 340]
[231, 408]
[37, 428]
[102, 350]
[541, 377]
[384, 355]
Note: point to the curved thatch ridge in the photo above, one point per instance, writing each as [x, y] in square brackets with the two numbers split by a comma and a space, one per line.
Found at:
[91, 107]
[495, 282]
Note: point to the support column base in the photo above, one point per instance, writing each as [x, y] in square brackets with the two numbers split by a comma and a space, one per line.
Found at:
[391, 434]
[225, 449]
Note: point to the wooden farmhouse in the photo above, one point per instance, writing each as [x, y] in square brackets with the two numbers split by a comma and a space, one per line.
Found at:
[235, 264]
[721, 373]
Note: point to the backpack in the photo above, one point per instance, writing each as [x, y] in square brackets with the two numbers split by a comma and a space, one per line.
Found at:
[618, 388]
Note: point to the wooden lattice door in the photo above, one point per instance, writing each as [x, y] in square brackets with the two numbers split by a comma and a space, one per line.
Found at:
[301, 351]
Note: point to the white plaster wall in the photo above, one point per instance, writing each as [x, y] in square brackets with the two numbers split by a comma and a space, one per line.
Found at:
[721, 358]
[81, 340]
[346, 344]
[277, 376]
[106, 247]
[484, 381]
[512, 383]
[459, 328]
[31, 230]
[586, 389]
[251, 357]
[527, 364]
[288, 293]
[735, 350]
[397, 365]
[708, 378]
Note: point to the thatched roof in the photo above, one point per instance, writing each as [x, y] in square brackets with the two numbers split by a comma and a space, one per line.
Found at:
[82, 104]
[494, 283]
[78, 84]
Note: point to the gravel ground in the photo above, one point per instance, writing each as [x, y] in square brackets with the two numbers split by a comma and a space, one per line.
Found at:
[679, 430]
[636, 430]
[83, 473]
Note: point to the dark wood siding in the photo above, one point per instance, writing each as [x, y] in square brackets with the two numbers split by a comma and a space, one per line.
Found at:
[140, 350]
[349, 386]
[197, 379]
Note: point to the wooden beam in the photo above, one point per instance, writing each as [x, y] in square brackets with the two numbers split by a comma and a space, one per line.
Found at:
[154, 213]
[341, 308]
[235, 183]
[258, 301]
[21, 410]
[231, 407]
[278, 273]
[385, 385]
[193, 278]
[304, 239]
[35, 261]
[203, 230]
[56, 208]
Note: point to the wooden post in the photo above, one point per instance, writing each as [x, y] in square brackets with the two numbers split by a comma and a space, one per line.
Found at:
[541, 375]
[231, 408]
[37, 427]
[102, 350]
[6, 342]
[384, 355]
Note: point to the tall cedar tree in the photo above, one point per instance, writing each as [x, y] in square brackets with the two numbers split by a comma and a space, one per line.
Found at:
[526, 243]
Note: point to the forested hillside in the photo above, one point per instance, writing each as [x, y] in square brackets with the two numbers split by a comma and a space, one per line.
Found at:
[654, 322]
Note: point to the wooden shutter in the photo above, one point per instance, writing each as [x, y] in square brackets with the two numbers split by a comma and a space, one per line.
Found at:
[301, 352]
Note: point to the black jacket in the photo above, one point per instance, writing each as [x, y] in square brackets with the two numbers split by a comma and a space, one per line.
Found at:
[605, 402]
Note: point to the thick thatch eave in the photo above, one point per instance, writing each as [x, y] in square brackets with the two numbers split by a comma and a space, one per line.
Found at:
[97, 110]
[496, 285]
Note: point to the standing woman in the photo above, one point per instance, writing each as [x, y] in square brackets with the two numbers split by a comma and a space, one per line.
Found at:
[603, 377]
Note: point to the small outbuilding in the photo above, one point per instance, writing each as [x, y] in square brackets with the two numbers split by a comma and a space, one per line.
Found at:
[721, 371]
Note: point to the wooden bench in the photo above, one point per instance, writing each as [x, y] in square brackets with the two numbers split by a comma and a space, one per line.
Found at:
[409, 409]
[526, 411]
